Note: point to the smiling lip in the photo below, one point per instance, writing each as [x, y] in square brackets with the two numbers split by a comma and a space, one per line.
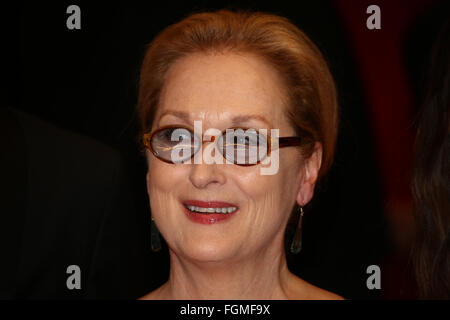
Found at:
[208, 204]
[208, 218]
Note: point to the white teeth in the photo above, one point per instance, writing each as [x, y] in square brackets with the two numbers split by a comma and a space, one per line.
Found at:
[212, 210]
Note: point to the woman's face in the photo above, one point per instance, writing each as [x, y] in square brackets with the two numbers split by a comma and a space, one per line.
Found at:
[216, 89]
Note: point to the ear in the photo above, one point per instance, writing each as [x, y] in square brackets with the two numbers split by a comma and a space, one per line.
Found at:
[309, 174]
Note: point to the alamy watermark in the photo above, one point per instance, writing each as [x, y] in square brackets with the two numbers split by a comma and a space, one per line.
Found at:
[74, 280]
[255, 146]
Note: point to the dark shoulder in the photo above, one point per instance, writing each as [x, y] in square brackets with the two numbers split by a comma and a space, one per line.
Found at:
[57, 155]
[46, 138]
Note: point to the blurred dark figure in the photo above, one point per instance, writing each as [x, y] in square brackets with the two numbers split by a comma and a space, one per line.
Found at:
[431, 177]
[65, 201]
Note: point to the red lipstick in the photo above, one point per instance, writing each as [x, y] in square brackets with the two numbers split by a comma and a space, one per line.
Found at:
[191, 208]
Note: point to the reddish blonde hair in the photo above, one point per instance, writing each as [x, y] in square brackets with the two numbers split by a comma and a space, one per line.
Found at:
[312, 98]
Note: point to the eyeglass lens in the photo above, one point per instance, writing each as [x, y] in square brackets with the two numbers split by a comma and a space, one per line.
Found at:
[238, 146]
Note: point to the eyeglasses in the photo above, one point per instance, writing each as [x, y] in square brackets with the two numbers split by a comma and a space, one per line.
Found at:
[242, 146]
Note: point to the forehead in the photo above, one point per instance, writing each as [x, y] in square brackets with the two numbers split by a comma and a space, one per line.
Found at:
[222, 86]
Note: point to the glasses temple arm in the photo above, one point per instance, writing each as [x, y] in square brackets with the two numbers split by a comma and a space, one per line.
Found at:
[289, 141]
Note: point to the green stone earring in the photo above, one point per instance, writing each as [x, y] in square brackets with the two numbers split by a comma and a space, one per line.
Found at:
[296, 244]
[155, 238]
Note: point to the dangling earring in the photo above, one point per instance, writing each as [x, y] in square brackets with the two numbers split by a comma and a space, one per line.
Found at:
[296, 244]
[154, 237]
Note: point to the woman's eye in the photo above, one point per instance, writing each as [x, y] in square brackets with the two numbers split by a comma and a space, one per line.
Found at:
[248, 140]
[177, 134]
[174, 137]
[167, 134]
[243, 142]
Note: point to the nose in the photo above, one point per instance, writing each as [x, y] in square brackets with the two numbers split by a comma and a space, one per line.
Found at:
[203, 174]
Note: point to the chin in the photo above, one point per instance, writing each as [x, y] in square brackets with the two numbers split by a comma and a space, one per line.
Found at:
[212, 251]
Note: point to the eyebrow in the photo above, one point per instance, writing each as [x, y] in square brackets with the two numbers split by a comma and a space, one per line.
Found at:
[248, 117]
[179, 114]
[235, 120]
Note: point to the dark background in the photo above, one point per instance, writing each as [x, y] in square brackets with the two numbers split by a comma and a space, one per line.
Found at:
[86, 81]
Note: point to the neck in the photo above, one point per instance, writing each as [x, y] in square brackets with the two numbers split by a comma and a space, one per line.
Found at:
[261, 276]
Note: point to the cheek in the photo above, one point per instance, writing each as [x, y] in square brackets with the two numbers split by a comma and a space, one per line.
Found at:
[280, 187]
[290, 172]
[162, 176]
[269, 198]
[162, 180]
[158, 176]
